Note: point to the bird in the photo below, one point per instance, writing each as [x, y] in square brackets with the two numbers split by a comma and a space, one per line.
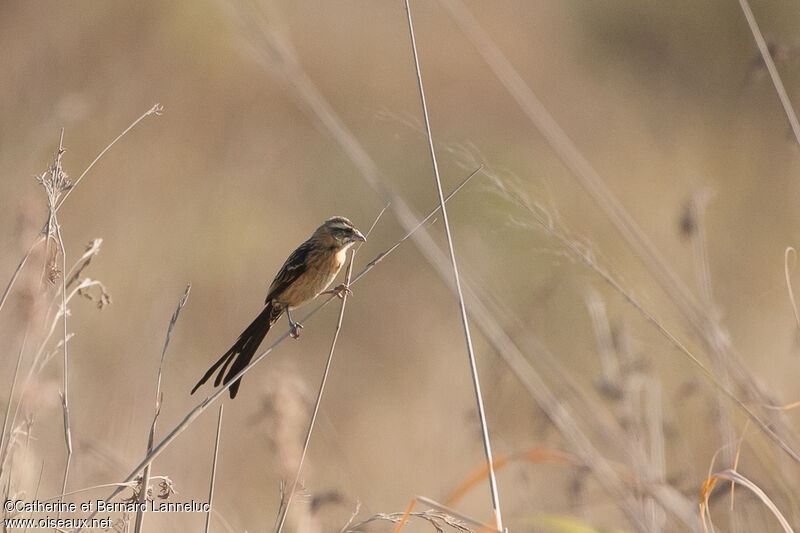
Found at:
[307, 273]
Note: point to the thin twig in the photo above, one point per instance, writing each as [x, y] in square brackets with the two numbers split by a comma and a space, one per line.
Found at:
[192, 415]
[17, 270]
[38, 486]
[122, 486]
[92, 249]
[214, 469]
[487, 447]
[157, 110]
[3, 444]
[65, 393]
[159, 397]
[285, 509]
[353, 516]
[414, 229]
[771, 68]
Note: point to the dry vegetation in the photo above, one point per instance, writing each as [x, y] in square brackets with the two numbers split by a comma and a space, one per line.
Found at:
[625, 255]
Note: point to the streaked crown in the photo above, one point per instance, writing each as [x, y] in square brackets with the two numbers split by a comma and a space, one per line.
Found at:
[342, 230]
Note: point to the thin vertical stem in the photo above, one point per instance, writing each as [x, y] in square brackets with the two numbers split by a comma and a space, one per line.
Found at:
[65, 394]
[3, 441]
[285, 509]
[152, 435]
[213, 470]
[21, 264]
[487, 447]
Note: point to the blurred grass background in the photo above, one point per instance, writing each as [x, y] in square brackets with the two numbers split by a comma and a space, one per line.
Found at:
[664, 99]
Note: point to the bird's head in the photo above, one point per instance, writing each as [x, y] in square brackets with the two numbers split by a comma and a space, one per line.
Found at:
[339, 232]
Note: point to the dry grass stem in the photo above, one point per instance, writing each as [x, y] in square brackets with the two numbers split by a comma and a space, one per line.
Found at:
[771, 68]
[17, 270]
[4, 437]
[213, 470]
[156, 110]
[56, 183]
[487, 447]
[284, 510]
[437, 521]
[159, 397]
[734, 476]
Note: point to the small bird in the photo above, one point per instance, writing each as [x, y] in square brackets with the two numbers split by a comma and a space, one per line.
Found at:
[307, 272]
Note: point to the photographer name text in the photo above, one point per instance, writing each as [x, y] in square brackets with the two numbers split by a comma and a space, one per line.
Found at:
[102, 506]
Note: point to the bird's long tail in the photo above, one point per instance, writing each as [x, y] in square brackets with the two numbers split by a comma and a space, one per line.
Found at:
[243, 350]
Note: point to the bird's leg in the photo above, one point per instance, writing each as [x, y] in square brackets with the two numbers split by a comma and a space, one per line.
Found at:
[294, 327]
[339, 290]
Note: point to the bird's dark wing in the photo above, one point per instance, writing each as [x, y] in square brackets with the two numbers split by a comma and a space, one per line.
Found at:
[293, 268]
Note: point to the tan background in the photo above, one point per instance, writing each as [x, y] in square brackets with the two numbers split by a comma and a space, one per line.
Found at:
[664, 99]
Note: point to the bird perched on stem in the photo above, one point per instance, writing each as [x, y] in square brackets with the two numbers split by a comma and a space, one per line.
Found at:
[307, 272]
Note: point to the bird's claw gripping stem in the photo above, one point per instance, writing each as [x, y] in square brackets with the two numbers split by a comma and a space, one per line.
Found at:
[294, 330]
[340, 290]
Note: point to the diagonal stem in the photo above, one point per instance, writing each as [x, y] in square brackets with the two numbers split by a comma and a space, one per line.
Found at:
[771, 68]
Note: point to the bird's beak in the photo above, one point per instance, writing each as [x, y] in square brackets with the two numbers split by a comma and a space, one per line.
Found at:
[358, 236]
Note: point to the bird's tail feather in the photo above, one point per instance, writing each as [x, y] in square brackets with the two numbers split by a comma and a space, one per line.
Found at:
[243, 350]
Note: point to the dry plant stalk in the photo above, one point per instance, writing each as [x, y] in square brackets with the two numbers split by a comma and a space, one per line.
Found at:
[157, 411]
[487, 447]
[284, 511]
[763, 49]
[735, 477]
[56, 184]
[213, 470]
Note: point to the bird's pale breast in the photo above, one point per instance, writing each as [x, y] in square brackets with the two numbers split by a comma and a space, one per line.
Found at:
[318, 276]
